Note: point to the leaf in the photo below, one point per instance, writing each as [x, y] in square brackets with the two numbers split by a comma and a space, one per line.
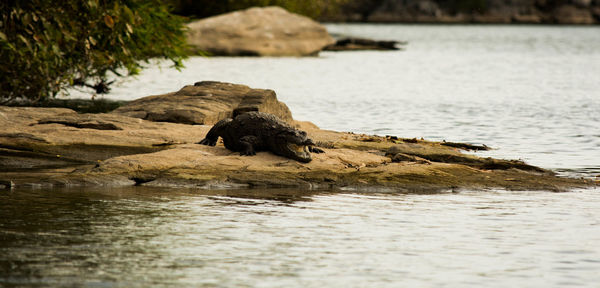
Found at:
[45, 23]
[128, 15]
[60, 39]
[24, 41]
[68, 36]
[109, 21]
[26, 19]
[92, 3]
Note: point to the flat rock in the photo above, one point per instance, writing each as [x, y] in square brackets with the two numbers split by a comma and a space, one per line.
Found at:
[268, 31]
[53, 146]
[59, 137]
[205, 102]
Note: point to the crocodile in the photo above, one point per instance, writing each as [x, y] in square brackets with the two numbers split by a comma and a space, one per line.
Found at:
[253, 131]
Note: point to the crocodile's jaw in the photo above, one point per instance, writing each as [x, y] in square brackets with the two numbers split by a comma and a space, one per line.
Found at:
[298, 152]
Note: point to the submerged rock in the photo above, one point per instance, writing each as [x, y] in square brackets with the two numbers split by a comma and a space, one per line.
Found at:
[205, 102]
[268, 31]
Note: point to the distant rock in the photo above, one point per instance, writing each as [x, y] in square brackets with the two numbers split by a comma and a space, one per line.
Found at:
[569, 14]
[527, 19]
[351, 44]
[205, 102]
[582, 3]
[490, 11]
[596, 12]
[269, 31]
[406, 11]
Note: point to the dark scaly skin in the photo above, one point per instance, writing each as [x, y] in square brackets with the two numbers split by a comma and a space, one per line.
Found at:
[256, 131]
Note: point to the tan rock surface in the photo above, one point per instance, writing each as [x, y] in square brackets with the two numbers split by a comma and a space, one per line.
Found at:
[66, 148]
[58, 134]
[268, 31]
[205, 102]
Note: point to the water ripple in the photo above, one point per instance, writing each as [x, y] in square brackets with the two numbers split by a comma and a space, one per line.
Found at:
[186, 237]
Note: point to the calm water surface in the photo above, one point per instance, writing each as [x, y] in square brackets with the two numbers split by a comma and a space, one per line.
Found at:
[530, 92]
[282, 238]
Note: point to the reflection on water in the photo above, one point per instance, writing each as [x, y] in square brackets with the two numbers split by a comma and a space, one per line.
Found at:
[144, 237]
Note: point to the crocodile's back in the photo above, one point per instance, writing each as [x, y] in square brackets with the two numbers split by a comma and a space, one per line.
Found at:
[257, 124]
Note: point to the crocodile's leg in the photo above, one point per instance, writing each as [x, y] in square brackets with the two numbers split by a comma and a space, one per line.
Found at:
[249, 144]
[316, 150]
[217, 130]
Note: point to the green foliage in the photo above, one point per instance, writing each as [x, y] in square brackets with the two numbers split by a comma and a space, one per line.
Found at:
[206, 8]
[48, 45]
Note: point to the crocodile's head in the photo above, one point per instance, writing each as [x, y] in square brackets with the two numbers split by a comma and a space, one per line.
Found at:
[294, 144]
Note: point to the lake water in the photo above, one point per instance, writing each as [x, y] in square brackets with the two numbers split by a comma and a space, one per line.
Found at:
[531, 92]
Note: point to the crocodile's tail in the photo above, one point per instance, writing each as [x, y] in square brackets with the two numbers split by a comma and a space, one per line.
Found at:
[213, 134]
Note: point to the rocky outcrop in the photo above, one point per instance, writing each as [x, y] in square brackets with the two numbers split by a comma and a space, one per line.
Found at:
[399, 152]
[51, 146]
[205, 102]
[353, 44]
[490, 11]
[39, 138]
[408, 11]
[571, 14]
[269, 31]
